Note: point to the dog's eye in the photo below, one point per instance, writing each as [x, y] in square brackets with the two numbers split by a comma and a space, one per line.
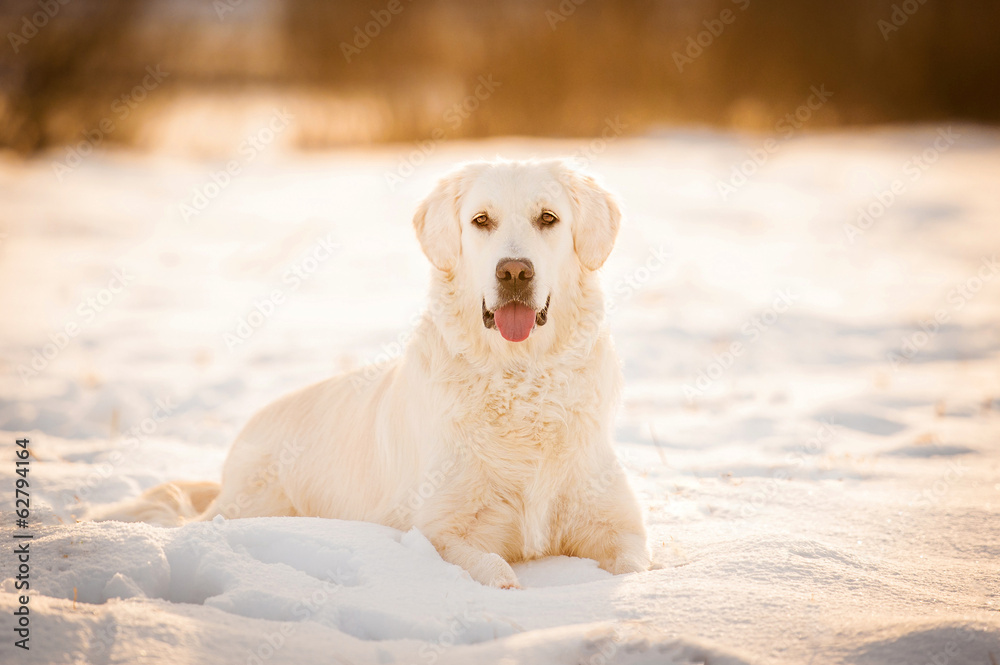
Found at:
[482, 220]
[548, 217]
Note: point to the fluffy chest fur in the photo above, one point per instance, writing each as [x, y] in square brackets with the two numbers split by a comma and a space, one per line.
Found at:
[521, 439]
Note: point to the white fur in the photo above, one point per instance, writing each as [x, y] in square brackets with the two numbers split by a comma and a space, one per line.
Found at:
[498, 451]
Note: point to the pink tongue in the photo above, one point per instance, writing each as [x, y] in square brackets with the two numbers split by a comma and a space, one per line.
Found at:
[514, 321]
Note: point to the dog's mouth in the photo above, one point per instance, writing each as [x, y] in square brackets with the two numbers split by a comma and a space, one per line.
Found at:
[514, 319]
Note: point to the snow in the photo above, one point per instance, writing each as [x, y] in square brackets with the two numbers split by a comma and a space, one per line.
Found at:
[827, 492]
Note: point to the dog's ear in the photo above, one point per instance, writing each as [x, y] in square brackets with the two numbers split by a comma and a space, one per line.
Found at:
[436, 222]
[596, 219]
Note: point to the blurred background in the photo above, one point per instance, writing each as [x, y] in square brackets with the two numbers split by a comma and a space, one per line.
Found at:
[220, 152]
[370, 71]
[207, 204]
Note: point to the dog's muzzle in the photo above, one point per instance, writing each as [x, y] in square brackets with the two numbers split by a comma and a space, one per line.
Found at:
[541, 316]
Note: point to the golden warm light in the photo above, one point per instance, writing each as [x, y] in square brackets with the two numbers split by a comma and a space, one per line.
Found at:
[535, 331]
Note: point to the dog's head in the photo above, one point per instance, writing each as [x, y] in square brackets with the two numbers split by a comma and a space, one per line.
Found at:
[509, 236]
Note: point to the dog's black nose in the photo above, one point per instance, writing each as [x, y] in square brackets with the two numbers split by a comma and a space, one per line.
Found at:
[515, 272]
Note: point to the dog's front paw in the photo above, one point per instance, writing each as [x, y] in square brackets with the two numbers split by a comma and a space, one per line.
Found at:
[623, 565]
[492, 570]
[632, 557]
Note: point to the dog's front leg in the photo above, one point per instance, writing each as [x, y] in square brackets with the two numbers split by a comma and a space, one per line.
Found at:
[630, 554]
[486, 568]
[608, 525]
[470, 529]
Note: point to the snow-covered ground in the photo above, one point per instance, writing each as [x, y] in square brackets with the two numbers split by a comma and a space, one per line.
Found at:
[826, 491]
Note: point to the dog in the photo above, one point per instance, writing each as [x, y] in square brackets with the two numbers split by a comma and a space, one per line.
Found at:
[492, 433]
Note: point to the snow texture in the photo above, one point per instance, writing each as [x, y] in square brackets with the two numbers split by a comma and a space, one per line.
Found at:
[826, 492]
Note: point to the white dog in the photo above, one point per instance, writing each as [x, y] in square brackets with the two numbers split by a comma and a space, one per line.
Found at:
[493, 432]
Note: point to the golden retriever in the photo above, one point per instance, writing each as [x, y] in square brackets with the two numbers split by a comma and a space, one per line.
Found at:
[492, 433]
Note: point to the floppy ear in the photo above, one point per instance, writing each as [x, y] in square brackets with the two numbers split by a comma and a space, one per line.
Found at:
[437, 225]
[597, 218]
